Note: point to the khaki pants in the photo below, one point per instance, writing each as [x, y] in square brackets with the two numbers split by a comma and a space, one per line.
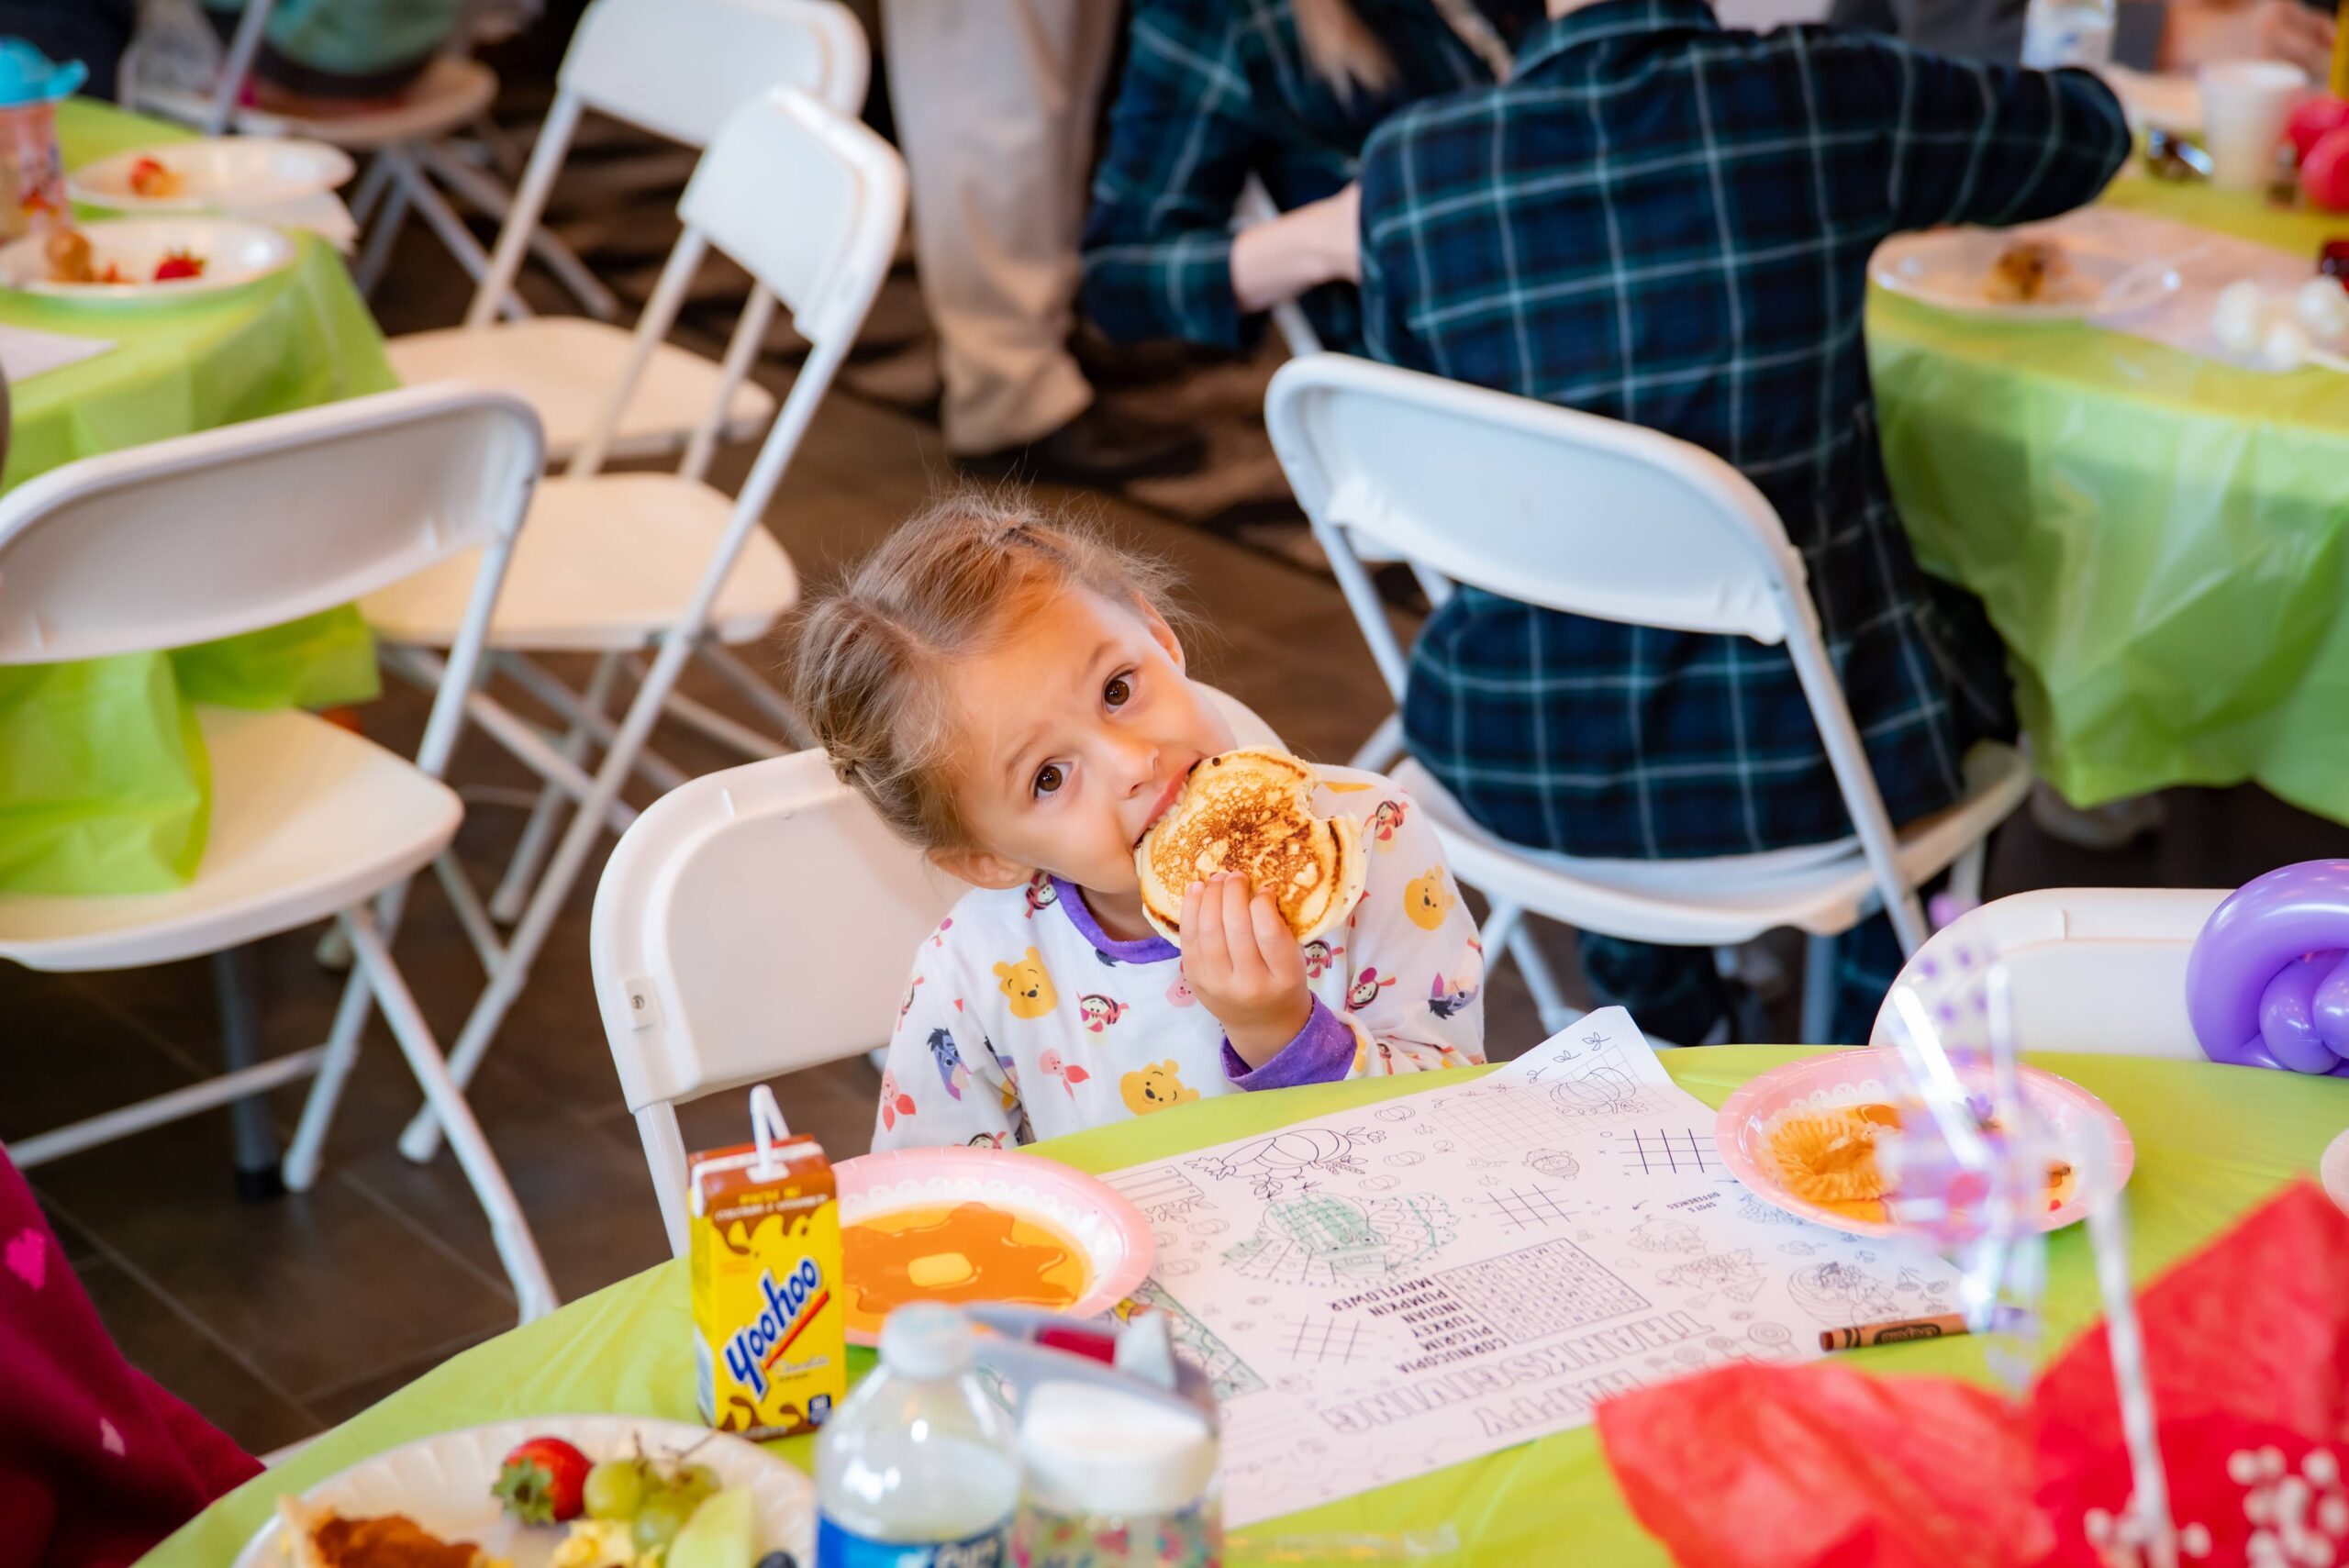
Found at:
[995, 100]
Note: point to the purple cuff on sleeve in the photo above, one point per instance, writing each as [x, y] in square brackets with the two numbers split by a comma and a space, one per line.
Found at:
[1322, 1052]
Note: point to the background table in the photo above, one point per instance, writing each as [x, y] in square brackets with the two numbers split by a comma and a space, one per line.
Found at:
[103, 782]
[2211, 1142]
[2162, 541]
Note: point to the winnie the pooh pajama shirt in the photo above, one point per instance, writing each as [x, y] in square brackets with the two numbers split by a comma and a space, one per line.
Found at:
[1023, 1019]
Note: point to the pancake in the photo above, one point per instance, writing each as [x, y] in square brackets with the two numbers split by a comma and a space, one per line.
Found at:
[318, 1536]
[1252, 811]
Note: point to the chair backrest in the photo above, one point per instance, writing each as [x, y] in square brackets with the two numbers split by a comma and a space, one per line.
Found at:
[810, 204]
[1552, 507]
[753, 922]
[226, 531]
[678, 68]
[2089, 969]
[1256, 206]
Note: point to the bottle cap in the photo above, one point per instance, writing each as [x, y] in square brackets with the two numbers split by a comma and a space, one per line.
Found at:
[926, 1340]
[1086, 1449]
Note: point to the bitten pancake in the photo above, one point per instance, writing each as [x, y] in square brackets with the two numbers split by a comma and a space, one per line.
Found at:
[1252, 811]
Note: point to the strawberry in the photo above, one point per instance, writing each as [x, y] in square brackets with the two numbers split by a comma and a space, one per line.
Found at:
[541, 1480]
[178, 264]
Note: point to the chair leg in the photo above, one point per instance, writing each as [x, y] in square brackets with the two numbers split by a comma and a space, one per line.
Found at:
[258, 1179]
[301, 1164]
[1383, 747]
[1548, 1000]
[533, 1290]
[562, 874]
[1965, 875]
[377, 252]
[451, 229]
[758, 692]
[372, 186]
[1818, 990]
[538, 833]
[473, 186]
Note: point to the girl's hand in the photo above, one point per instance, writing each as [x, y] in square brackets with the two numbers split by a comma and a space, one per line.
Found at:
[1244, 965]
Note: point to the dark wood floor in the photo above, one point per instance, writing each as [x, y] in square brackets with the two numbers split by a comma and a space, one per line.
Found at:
[279, 1318]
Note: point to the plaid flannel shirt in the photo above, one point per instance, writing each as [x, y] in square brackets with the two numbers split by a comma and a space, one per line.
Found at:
[1214, 91]
[1668, 224]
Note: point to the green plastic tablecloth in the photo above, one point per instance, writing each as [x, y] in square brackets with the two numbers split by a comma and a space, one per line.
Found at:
[2211, 1143]
[104, 787]
[2162, 541]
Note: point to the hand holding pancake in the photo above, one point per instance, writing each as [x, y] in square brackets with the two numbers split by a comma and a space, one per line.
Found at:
[1244, 964]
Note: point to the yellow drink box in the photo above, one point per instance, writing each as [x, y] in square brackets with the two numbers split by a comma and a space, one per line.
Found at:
[770, 1315]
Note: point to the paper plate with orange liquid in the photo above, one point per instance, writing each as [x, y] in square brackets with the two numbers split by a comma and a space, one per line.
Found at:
[1802, 1137]
[961, 1225]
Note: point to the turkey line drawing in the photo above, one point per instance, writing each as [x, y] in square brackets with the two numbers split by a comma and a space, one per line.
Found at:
[1289, 1156]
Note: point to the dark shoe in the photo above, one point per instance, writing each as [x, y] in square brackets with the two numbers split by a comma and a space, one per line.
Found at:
[1097, 448]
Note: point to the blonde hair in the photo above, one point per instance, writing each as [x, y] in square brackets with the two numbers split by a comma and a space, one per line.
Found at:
[1342, 49]
[868, 670]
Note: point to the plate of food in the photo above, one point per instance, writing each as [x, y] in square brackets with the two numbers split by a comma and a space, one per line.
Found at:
[553, 1492]
[1804, 1136]
[2019, 274]
[219, 172]
[959, 1225]
[144, 260]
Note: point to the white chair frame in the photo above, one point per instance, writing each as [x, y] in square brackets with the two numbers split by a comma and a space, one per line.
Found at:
[185, 541]
[704, 935]
[825, 256]
[1519, 498]
[2096, 970]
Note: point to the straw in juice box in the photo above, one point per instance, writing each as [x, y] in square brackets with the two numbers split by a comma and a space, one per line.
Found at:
[770, 1319]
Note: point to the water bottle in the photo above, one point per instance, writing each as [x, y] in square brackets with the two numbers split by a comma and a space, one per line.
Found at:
[918, 1468]
[2068, 32]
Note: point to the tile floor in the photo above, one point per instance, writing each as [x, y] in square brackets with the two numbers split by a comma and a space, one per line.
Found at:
[279, 1318]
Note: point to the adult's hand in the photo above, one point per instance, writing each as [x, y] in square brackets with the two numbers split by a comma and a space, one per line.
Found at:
[2199, 31]
[1318, 243]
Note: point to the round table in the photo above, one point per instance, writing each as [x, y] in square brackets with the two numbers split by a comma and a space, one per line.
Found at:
[2211, 1143]
[2162, 541]
[103, 780]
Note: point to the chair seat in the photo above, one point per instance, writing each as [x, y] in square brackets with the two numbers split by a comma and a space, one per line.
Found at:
[565, 366]
[603, 563]
[452, 92]
[1824, 889]
[308, 819]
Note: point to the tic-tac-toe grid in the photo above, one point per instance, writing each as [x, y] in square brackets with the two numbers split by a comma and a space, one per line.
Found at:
[1656, 1151]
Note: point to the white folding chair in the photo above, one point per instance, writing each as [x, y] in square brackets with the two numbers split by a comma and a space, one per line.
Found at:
[1566, 510]
[200, 537]
[716, 967]
[2088, 969]
[676, 68]
[810, 204]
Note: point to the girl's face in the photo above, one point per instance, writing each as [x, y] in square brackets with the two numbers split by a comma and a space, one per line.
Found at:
[1075, 735]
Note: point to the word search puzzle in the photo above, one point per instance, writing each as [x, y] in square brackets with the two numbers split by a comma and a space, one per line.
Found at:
[1381, 1292]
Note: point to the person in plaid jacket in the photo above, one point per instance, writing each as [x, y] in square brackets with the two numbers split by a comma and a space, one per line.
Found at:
[1667, 223]
[1216, 90]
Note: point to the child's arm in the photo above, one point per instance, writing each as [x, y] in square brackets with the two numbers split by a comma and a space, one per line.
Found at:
[1415, 1000]
[942, 1083]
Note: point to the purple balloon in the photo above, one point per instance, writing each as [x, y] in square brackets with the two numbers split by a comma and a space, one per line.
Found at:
[2267, 983]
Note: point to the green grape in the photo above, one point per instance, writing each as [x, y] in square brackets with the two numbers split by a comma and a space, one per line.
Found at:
[659, 1516]
[696, 1481]
[616, 1488]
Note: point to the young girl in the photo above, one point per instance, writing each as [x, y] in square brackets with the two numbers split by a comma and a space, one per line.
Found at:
[1010, 694]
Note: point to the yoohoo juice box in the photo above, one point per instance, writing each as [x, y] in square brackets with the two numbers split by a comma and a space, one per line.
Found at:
[770, 1319]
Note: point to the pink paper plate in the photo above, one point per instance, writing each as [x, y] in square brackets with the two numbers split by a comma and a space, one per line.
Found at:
[1110, 1232]
[1874, 1077]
